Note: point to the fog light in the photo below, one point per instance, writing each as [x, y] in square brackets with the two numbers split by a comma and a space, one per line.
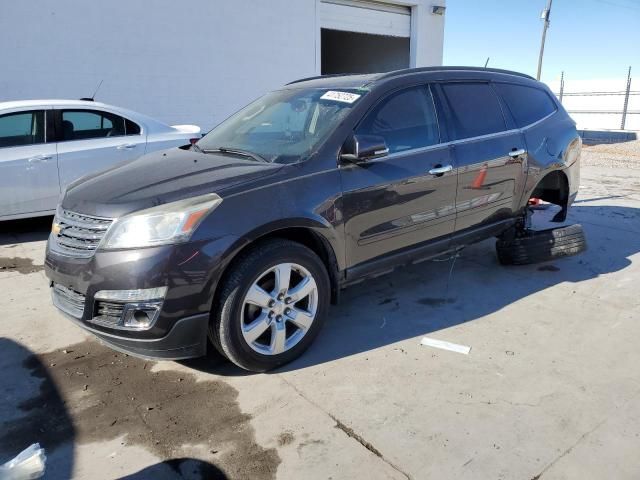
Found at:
[138, 316]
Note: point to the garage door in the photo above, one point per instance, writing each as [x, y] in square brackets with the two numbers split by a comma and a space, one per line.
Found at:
[366, 17]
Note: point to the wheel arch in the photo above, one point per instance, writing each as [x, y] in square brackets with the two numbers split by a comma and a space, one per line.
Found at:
[553, 187]
[309, 233]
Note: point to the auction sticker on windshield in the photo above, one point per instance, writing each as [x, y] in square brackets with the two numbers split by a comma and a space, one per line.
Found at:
[346, 97]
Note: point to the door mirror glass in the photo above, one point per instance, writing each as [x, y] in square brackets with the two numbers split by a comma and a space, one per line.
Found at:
[360, 148]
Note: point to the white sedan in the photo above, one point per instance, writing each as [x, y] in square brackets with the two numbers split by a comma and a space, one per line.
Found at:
[47, 144]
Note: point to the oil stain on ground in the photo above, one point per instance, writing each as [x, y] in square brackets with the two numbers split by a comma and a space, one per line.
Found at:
[108, 395]
[548, 268]
[436, 301]
[19, 264]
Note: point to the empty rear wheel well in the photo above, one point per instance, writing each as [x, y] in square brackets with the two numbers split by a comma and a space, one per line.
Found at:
[309, 239]
[554, 188]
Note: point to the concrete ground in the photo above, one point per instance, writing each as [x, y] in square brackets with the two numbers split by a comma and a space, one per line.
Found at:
[550, 389]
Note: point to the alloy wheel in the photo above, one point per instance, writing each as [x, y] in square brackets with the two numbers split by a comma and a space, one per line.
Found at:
[279, 308]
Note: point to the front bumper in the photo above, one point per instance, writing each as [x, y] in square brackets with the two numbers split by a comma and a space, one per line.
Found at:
[187, 339]
[190, 272]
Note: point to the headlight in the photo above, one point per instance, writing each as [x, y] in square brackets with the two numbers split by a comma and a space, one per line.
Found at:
[165, 224]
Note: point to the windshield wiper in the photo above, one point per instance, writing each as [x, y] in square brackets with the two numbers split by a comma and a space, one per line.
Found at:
[235, 151]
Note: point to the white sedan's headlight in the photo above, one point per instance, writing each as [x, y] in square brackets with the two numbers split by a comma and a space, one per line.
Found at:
[165, 224]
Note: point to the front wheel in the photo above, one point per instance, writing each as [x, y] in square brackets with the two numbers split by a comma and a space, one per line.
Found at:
[271, 305]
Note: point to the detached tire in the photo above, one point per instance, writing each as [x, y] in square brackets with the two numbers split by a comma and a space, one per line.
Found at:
[541, 246]
[271, 305]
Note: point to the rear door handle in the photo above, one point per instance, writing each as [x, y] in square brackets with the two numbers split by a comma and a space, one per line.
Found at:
[39, 158]
[517, 152]
[126, 146]
[440, 170]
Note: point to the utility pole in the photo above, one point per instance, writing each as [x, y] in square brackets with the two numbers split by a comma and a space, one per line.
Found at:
[626, 99]
[546, 13]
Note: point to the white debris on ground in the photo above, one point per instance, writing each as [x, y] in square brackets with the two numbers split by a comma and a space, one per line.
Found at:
[27, 465]
[452, 347]
[623, 155]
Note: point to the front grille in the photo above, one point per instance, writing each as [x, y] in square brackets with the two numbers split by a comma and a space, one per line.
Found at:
[68, 300]
[79, 235]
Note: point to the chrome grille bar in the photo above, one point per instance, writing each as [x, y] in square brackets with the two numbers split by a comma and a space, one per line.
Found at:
[78, 234]
[68, 300]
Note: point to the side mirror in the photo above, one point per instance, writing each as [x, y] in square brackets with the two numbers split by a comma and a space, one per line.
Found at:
[360, 148]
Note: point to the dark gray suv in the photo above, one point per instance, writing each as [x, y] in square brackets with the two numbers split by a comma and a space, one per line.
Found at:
[243, 240]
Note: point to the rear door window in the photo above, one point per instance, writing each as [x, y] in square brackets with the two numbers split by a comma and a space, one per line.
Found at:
[527, 104]
[406, 120]
[474, 109]
[88, 124]
[22, 128]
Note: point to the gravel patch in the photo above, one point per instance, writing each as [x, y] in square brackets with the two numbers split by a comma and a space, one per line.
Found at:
[621, 155]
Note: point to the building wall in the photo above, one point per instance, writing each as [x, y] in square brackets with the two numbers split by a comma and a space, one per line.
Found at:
[192, 61]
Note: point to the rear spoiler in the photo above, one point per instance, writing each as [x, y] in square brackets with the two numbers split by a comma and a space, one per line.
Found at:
[193, 129]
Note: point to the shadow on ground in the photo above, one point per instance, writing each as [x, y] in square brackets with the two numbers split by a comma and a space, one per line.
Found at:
[27, 230]
[416, 301]
[181, 468]
[431, 296]
[89, 394]
[32, 409]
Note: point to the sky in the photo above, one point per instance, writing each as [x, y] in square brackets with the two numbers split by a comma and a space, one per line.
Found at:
[586, 39]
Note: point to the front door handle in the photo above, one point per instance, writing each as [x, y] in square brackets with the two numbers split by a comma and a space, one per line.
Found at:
[39, 158]
[440, 170]
[516, 152]
[126, 146]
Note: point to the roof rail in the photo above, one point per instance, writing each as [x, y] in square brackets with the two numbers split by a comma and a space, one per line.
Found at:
[322, 76]
[406, 71]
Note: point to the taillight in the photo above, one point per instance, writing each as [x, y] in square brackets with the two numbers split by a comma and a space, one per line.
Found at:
[193, 141]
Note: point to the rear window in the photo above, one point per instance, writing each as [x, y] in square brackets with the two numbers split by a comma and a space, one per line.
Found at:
[475, 109]
[88, 124]
[527, 104]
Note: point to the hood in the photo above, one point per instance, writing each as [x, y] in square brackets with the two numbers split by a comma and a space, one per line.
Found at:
[158, 178]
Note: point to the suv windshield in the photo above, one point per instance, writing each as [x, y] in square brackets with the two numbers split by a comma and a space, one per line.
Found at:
[285, 126]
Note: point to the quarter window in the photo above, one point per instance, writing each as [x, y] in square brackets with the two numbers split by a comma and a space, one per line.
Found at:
[475, 109]
[131, 128]
[406, 120]
[21, 128]
[87, 124]
[527, 104]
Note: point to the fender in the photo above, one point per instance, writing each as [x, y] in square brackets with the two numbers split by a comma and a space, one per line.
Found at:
[319, 227]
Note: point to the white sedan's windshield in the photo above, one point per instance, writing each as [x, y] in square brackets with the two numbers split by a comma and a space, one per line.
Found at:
[285, 126]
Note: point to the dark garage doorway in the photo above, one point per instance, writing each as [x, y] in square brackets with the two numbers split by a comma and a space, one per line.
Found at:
[352, 52]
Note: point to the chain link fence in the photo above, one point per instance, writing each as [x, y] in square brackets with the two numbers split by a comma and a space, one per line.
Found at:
[602, 108]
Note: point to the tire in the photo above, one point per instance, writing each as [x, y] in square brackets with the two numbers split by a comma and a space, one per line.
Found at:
[228, 325]
[542, 246]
